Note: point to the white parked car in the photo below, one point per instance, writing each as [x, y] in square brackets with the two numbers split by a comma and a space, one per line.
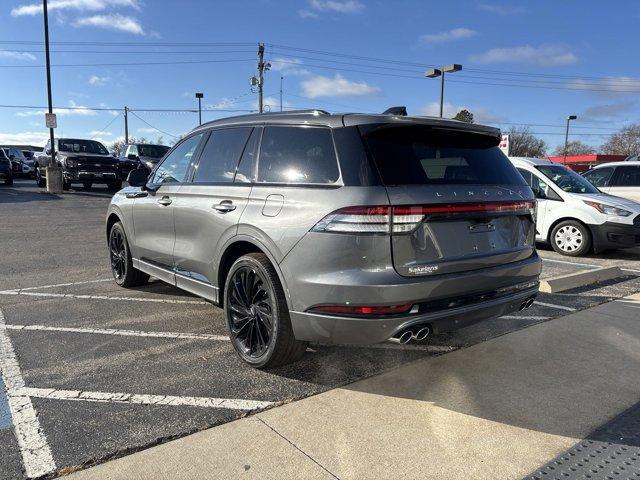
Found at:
[621, 179]
[573, 215]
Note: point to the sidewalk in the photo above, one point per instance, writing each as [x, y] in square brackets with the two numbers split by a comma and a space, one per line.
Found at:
[497, 410]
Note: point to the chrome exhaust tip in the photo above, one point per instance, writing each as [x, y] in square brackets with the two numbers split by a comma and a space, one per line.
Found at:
[405, 337]
[422, 334]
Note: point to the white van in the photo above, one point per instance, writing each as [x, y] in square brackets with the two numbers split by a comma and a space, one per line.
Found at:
[621, 179]
[573, 215]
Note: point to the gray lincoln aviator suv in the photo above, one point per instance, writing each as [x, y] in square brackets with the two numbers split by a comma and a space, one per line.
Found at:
[314, 227]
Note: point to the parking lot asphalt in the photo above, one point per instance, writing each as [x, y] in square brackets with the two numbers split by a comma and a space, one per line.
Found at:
[108, 371]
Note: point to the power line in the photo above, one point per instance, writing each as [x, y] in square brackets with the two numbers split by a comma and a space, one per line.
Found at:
[148, 124]
[131, 64]
[107, 109]
[102, 130]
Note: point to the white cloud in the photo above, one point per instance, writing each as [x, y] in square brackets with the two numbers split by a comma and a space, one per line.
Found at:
[26, 138]
[544, 55]
[502, 10]
[480, 115]
[113, 21]
[94, 133]
[307, 14]
[448, 36]
[75, 110]
[80, 5]
[339, 6]
[338, 86]
[147, 130]
[98, 81]
[271, 104]
[610, 86]
[288, 66]
[16, 55]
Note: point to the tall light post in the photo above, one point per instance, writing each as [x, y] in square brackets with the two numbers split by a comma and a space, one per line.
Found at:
[199, 96]
[281, 79]
[439, 72]
[566, 137]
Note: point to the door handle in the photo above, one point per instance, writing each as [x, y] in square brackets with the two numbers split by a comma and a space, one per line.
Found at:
[224, 206]
[165, 201]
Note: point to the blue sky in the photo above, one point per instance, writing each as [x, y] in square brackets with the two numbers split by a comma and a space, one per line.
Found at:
[523, 62]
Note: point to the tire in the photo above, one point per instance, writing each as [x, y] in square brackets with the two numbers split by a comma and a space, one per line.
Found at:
[122, 267]
[571, 238]
[66, 184]
[42, 182]
[87, 185]
[259, 341]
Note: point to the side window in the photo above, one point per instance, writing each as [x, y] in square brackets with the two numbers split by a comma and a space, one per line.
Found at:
[600, 176]
[221, 155]
[627, 176]
[175, 165]
[244, 174]
[133, 150]
[539, 186]
[297, 155]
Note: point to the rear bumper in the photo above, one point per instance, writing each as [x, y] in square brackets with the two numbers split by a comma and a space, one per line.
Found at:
[615, 235]
[332, 329]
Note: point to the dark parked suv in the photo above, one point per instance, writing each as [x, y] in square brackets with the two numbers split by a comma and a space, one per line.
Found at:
[307, 226]
[82, 161]
[6, 169]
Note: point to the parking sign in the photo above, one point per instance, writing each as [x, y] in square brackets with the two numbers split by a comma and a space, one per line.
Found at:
[50, 120]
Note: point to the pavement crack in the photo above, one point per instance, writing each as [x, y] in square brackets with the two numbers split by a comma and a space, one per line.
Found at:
[298, 448]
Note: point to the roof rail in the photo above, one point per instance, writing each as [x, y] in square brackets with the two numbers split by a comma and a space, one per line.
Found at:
[313, 111]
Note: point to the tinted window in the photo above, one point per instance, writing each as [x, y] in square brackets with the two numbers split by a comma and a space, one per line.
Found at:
[599, 176]
[81, 146]
[221, 154]
[297, 155]
[175, 165]
[424, 155]
[244, 174]
[567, 179]
[153, 151]
[627, 177]
[539, 186]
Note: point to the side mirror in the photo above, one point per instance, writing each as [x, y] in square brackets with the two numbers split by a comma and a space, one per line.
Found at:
[137, 177]
[132, 156]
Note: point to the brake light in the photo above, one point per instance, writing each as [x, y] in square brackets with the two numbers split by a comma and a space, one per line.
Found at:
[405, 218]
[362, 310]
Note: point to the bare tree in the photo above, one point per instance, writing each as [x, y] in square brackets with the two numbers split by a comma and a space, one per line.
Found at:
[522, 143]
[464, 116]
[575, 148]
[625, 142]
[119, 146]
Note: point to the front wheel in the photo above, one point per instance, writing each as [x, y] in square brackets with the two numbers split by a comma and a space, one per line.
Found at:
[114, 186]
[42, 182]
[122, 269]
[257, 314]
[571, 238]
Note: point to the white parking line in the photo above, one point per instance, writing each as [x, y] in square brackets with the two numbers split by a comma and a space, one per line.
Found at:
[566, 262]
[36, 454]
[552, 305]
[70, 284]
[118, 332]
[102, 297]
[170, 400]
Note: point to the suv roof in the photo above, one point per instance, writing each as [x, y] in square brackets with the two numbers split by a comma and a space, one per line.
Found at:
[530, 161]
[633, 163]
[323, 118]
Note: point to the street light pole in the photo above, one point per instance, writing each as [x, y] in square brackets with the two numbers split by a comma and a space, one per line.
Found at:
[53, 172]
[281, 78]
[439, 72]
[199, 96]
[566, 137]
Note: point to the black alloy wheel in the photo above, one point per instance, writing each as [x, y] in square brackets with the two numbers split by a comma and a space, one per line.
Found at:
[118, 254]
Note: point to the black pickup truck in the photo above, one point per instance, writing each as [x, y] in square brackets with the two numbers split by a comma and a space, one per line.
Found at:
[82, 161]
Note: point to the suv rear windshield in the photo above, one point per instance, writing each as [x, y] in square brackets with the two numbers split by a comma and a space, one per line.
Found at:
[82, 146]
[422, 155]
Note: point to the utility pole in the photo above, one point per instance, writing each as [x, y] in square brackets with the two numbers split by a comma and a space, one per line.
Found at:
[53, 171]
[126, 124]
[566, 137]
[281, 78]
[262, 67]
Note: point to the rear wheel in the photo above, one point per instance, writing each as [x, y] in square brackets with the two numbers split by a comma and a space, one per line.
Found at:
[257, 314]
[571, 238]
[66, 184]
[114, 186]
[122, 267]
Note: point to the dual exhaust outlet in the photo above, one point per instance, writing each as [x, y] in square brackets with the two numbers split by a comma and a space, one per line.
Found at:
[417, 333]
[526, 304]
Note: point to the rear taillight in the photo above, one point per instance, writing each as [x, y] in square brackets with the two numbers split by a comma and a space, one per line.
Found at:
[405, 218]
[362, 310]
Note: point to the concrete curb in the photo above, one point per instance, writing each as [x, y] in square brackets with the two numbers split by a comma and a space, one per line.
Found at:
[579, 279]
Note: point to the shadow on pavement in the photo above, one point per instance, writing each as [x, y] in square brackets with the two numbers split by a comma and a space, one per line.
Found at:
[17, 195]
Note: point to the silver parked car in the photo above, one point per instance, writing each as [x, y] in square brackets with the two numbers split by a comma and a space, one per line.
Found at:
[306, 226]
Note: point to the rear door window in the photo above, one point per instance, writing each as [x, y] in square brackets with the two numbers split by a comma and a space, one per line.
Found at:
[419, 155]
[599, 177]
[175, 165]
[221, 155]
[627, 176]
[298, 155]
